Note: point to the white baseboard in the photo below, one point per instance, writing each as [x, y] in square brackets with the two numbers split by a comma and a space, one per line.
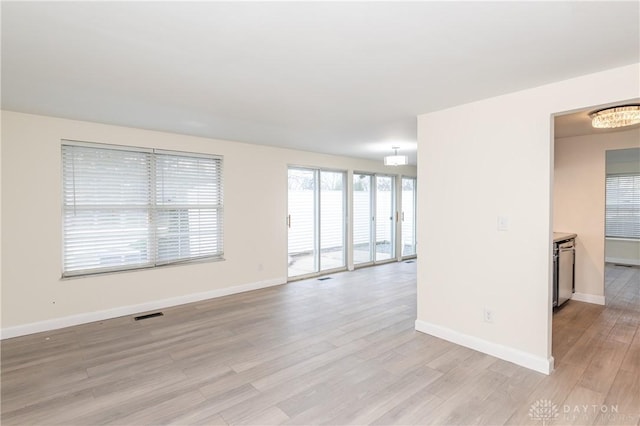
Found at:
[589, 298]
[506, 353]
[56, 323]
[622, 261]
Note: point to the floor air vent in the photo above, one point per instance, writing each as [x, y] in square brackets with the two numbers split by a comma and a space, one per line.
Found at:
[410, 261]
[325, 278]
[147, 316]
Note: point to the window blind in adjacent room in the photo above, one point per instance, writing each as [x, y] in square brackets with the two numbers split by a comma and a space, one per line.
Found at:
[623, 206]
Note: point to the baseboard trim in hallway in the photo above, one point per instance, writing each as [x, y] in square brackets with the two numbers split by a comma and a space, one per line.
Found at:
[87, 317]
[588, 298]
[506, 353]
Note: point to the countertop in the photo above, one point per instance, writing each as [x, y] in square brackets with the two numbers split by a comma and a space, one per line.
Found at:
[561, 236]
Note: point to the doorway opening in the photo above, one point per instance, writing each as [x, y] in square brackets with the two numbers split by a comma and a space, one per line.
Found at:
[592, 200]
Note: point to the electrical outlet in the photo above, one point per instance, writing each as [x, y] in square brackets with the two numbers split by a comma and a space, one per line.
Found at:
[488, 315]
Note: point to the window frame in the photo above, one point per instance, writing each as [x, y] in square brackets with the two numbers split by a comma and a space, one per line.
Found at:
[154, 206]
[635, 209]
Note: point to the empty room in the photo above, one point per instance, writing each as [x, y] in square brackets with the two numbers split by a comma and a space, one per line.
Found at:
[342, 213]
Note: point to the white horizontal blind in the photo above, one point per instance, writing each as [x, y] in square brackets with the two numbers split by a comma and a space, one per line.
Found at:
[106, 209]
[125, 209]
[188, 207]
[623, 206]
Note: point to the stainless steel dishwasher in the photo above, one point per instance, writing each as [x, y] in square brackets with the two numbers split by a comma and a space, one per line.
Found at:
[565, 269]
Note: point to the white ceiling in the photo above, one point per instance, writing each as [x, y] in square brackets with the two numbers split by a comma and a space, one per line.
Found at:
[342, 78]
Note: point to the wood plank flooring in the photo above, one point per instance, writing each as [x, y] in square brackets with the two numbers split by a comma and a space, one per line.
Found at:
[340, 351]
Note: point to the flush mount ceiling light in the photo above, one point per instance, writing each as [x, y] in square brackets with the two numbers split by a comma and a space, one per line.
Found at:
[395, 159]
[619, 116]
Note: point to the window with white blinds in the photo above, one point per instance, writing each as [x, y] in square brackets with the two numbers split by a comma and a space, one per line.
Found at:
[128, 208]
[623, 206]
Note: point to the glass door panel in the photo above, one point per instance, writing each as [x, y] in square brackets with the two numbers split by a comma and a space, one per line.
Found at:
[408, 216]
[362, 219]
[332, 220]
[302, 222]
[385, 209]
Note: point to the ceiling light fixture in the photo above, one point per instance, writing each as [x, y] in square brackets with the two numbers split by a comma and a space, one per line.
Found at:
[619, 116]
[395, 159]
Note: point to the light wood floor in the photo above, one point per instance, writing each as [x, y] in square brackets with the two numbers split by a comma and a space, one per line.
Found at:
[339, 351]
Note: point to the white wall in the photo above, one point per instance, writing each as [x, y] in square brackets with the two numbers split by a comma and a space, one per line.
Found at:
[503, 153]
[255, 186]
[579, 200]
[622, 251]
[1, 236]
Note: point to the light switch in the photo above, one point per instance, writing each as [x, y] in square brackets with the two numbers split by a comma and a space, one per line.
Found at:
[503, 223]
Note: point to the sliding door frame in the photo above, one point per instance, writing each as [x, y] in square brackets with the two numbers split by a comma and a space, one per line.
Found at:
[317, 171]
[373, 220]
[393, 226]
[414, 225]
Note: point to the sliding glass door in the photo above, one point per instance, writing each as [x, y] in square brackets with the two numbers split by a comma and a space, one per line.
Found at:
[408, 216]
[302, 222]
[332, 220]
[373, 218]
[316, 221]
[363, 220]
[385, 212]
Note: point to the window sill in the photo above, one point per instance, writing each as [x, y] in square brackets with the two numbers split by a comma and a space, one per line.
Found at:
[144, 268]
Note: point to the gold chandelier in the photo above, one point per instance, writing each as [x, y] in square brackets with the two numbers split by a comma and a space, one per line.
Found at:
[619, 116]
